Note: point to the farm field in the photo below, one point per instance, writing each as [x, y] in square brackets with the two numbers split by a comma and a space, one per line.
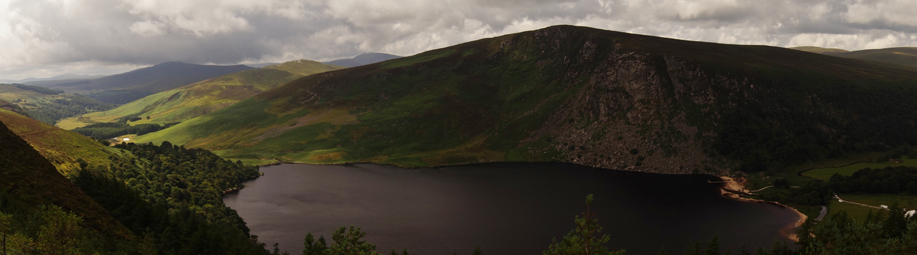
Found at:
[859, 212]
[826, 173]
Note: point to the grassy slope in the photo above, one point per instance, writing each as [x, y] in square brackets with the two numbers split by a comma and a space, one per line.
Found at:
[485, 101]
[36, 102]
[61, 147]
[27, 180]
[126, 87]
[860, 212]
[848, 170]
[203, 97]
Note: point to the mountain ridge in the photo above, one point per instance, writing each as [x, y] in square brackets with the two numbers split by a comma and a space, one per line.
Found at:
[203, 97]
[905, 56]
[362, 59]
[572, 94]
[129, 86]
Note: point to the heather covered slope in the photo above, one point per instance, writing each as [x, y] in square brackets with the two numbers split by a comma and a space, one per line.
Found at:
[203, 97]
[28, 180]
[61, 147]
[579, 95]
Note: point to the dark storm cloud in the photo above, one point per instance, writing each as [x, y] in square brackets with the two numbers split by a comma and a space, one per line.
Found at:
[44, 38]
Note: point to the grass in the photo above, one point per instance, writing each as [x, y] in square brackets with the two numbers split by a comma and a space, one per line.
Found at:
[544, 96]
[860, 212]
[59, 146]
[203, 97]
[848, 170]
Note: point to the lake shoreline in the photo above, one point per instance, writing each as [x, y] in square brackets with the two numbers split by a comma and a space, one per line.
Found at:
[734, 189]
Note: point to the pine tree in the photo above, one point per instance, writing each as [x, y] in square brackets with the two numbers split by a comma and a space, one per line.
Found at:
[713, 247]
[585, 239]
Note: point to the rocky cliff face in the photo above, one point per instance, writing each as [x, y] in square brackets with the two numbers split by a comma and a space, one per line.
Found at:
[631, 114]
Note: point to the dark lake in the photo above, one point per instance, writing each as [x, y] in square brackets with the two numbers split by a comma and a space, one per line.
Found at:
[505, 208]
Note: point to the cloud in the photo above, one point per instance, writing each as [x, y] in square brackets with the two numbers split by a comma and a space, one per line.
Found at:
[42, 37]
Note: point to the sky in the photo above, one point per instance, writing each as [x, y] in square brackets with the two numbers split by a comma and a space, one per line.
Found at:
[44, 38]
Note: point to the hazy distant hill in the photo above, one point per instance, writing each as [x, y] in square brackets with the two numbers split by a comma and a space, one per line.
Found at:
[203, 97]
[60, 78]
[826, 51]
[579, 95]
[260, 65]
[362, 59]
[130, 86]
[49, 105]
[906, 56]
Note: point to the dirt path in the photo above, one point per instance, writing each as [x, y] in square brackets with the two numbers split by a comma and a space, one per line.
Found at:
[839, 199]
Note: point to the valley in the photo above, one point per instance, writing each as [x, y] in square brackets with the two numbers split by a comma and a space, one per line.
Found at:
[488, 144]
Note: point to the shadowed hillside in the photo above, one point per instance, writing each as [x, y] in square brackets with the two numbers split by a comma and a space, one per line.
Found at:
[579, 95]
[61, 147]
[27, 181]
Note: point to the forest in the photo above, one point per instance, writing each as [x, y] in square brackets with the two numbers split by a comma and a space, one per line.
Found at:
[109, 130]
[52, 110]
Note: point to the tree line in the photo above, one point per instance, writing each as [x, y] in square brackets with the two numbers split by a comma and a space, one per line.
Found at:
[111, 130]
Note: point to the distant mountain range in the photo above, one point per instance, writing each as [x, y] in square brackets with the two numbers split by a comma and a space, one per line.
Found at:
[48, 105]
[59, 77]
[574, 94]
[203, 97]
[906, 56]
[133, 85]
[362, 59]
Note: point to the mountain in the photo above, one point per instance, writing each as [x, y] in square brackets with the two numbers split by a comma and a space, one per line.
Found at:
[260, 65]
[203, 97]
[574, 94]
[362, 59]
[61, 147]
[49, 105]
[130, 86]
[820, 50]
[906, 56]
[28, 181]
[62, 77]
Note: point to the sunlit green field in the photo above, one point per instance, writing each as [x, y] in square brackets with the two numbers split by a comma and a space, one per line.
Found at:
[859, 212]
[826, 173]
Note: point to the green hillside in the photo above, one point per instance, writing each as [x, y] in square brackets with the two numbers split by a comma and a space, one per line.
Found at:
[28, 181]
[203, 97]
[5, 105]
[48, 105]
[574, 94]
[142, 199]
[126, 87]
[61, 147]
